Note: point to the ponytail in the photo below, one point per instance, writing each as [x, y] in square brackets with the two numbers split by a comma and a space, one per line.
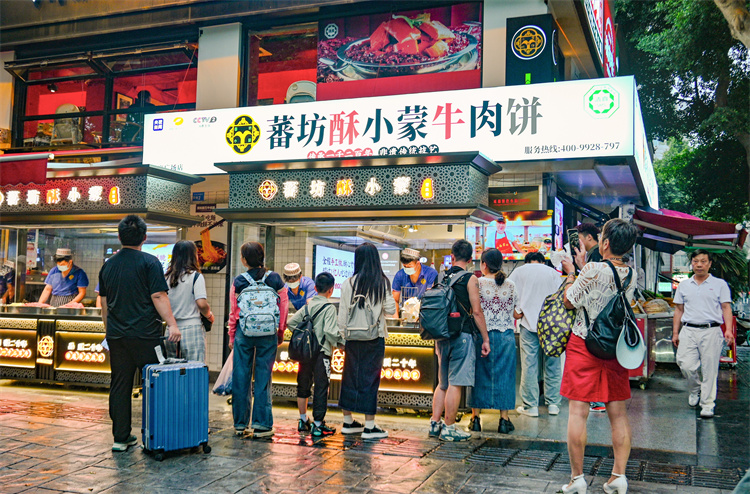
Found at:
[493, 258]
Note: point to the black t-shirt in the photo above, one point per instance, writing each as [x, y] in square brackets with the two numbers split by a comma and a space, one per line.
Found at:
[273, 280]
[128, 280]
[595, 256]
[461, 289]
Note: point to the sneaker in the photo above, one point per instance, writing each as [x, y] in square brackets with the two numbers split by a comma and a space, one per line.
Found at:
[707, 413]
[240, 431]
[263, 432]
[374, 433]
[693, 399]
[529, 412]
[553, 409]
[322, 430]
[353, 428]
[505, 426]
[435, 428]
[451, 433]
[303, 426]
[475, 424]
[597, 407]
[132, 441]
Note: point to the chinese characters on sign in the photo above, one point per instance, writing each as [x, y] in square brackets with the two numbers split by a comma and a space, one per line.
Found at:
[54, 196]
[345, 187]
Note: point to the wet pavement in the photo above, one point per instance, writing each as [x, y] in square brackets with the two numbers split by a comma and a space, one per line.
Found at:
[55, 440]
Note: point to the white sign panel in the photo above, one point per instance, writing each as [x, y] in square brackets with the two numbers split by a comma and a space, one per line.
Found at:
[573, 119]
[643, 158]
[340, 263]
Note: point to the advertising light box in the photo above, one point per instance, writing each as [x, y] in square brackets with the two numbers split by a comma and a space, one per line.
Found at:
[340, 263]
[17, 348]
[521, 232]
[81, 352]
[572, 119]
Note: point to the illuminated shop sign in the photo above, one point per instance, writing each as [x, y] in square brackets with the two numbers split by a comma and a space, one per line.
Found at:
[17, 348]
[33, 197]
[507, 123]
[45, 347]
[405, 369]
[601, 26]
[81, 352]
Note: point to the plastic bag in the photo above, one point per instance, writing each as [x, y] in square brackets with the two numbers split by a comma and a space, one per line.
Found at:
[410, 311]
[223, 384]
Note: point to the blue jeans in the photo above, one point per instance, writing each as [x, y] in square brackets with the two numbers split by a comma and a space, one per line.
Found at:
[529, 343]
[260, 351]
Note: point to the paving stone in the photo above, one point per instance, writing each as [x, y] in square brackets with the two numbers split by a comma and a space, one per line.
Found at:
[89, 480]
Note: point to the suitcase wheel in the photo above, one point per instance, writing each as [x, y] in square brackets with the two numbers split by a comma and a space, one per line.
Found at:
[159, 456]
[206, 449]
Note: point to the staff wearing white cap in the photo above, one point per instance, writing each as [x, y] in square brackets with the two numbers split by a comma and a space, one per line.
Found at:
[300, 288]
[414, 274]
[66, 282]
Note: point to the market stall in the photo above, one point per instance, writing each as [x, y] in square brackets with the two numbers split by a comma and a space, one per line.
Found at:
[419, 202]
[76, 210]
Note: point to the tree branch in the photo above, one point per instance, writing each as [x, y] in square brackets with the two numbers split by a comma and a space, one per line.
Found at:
[738, 17]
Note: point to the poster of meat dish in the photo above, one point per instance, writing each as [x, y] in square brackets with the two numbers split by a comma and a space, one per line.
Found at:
[434, 49]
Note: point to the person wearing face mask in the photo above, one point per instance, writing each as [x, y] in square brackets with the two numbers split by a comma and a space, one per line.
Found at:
[66, 282]
[414, 274]
[300, 288]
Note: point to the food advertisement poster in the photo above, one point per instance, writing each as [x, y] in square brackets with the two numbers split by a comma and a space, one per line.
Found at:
[212, 230]
[521, 232]
[432, 49]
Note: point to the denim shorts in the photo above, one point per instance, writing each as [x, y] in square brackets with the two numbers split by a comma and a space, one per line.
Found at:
[456, 358]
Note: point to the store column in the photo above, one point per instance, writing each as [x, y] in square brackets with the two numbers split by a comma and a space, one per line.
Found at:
[219, 67]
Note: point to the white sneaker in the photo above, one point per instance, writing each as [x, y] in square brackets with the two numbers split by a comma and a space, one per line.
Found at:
[553, 409]
[529, 412]
[707, 413]
[693, 399]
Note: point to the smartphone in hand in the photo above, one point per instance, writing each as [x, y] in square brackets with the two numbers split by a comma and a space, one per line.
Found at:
[573, 240]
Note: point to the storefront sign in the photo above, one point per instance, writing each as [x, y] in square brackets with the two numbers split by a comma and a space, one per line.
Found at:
[532, 52]
[512, 123]
[17, 348]
[81, 352]
[514, 199]
[602, 29]
[643, 161]
[405, 369]
[434, 49]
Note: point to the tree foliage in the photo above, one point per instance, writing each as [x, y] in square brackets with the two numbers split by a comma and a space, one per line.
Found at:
[693, 83]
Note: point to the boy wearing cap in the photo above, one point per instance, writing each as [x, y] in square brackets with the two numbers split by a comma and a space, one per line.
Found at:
[299, 288]
[66, 282]
[414, 274]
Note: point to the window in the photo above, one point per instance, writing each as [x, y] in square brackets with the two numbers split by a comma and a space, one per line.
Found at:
[100, 98]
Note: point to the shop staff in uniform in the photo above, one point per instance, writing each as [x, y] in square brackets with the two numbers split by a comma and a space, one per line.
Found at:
[299, 288]
[66, 282]
[7, 282]
[702, 302]
[414, 274]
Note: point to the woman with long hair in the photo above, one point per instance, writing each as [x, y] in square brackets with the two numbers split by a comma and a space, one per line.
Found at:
[366, 299]
[587, 378]
[187, 296]
[254, 338]
[495, 377]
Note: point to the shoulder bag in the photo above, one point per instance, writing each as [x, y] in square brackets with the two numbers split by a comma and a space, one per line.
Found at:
[204, 320]
[555, 323]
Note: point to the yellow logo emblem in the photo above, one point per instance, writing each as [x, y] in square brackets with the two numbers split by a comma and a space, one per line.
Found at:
[268, 189]
[45, 346]
[243, 134]
[528, 42]
[178, 121]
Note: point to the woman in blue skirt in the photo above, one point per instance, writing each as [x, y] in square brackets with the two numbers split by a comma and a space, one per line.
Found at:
[495, 379]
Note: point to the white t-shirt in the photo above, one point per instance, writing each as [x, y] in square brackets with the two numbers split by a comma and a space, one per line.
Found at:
[534, 282]
[702, 303]
[183, 297]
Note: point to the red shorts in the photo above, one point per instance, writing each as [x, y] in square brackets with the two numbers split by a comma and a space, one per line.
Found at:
[587, 378]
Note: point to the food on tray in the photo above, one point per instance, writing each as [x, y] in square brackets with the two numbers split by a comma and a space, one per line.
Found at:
[656, 306]
[403, 40]
[72, 305]
[36, 304]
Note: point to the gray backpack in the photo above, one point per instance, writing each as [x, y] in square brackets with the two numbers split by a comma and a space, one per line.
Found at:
[361, 325]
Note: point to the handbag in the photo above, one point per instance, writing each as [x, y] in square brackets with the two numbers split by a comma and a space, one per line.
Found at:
[204, 320]
[615, 317]
[555, 323]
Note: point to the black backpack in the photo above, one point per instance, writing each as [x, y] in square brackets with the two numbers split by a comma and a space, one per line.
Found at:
[304, 346]
[437, 305]
[615, 317]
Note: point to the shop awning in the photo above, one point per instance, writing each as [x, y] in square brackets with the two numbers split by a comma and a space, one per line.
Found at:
[23, 169]
[671, 231]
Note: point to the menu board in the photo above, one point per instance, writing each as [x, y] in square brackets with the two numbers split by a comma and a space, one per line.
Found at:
[340, 263]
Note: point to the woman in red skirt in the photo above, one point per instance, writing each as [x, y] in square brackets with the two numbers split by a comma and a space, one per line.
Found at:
[587, 378]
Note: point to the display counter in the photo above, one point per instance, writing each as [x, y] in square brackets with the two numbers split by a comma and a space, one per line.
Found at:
[407, 380]
[41, 345]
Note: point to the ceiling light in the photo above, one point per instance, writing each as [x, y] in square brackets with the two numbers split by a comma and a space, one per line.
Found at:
[52, 87]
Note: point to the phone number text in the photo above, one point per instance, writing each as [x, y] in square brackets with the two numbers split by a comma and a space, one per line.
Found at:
[566, 148]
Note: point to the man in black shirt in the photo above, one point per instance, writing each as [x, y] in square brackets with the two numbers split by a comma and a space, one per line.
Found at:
[134, 303]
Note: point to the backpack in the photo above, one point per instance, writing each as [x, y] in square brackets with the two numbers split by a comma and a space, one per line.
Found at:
[361, 325]
[304, 346]
[437, 320]
[616, 316]
[259, 308]
[555, 323]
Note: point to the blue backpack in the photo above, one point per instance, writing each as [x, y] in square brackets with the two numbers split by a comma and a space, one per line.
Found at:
[259, 308]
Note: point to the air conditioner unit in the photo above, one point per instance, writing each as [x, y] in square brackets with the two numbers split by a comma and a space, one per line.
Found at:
[391, 231]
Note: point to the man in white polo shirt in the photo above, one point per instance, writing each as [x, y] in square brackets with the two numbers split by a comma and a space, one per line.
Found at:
[702, 302]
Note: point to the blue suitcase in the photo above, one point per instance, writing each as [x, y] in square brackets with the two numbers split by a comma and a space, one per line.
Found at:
[175, 407]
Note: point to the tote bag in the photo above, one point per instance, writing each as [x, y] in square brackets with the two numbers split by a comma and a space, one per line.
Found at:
[555, 323]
